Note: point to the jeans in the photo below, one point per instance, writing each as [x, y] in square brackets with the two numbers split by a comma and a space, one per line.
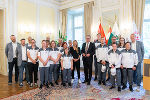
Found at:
[11, 65]
[44, 72]
[21, 69]
[67, 75]
[53, 71]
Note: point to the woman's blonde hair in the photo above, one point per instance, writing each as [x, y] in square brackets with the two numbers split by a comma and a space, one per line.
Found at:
[75, 47]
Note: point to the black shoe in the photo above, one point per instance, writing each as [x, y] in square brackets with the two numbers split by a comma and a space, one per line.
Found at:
[99, 82]
[69, 84]
[112, 87]
[130, 88]
[64, 84]
[124, 87]
[88, 83]
[95, 78]
[51, 84]
[104, 83]
[47, 86]
[119, 89]
[56, 83]
[24, 79]
[40, 86]
[108, 79]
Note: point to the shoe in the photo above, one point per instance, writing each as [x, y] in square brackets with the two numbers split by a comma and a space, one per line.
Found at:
[138, 89]
[35, 84]
[40, 86]
[104, 83]
[72, 80]
[108, 79]
[95, 78]
[28, 83]
[69, 84]
[21, 85]
[112, 87]
[79, 81]
[124, 87]
[88, 83]
[99, 82]
[64, 84]
[31, 85]
[119, 89]
[56, 83]
[47, 86]
[130, 88]
[51, 84]
[24, 79]
[9, 83]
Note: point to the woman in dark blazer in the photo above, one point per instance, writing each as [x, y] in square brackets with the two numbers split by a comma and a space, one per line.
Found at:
[75, 52]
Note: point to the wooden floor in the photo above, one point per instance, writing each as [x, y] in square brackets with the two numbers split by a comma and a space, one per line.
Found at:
[6, 90]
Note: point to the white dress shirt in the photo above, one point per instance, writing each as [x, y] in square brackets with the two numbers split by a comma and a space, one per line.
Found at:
[14, 49]
[24, 53]
[133, 45]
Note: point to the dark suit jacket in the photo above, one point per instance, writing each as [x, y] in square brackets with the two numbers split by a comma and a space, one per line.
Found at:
[91, 51]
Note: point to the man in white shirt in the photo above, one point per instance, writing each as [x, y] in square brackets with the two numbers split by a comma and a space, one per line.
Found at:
[10, 52]
[43, 55]
[22, 61]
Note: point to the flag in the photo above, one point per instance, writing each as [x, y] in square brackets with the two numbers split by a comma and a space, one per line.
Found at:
[101, 31]
[135, 31]
[108, 35]
[115, 32]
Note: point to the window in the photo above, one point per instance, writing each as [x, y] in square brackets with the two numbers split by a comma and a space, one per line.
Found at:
[146, 30]
[75, 26]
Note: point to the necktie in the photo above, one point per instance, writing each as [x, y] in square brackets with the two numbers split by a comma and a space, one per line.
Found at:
[87, 46]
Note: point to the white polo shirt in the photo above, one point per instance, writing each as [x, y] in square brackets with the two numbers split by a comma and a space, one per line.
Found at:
[44, 54]
[67, 61]
[24, 53]
[54, 54]
[33, 53]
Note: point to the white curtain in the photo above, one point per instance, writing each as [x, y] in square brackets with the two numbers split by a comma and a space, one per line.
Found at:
[64, 21]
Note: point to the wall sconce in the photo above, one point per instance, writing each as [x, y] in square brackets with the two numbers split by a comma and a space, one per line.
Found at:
[26, 29]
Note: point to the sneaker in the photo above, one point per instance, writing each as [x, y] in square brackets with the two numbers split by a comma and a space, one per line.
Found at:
[104, 83]
[31, 85]
[28, 83]
[35, 84]
[112, 87]
[138, 89]
[130, 88]
[69, 84]
[72, 80]
[51, 84]
[40, 86]
[124, 87]
[99, 82]
[79, 81]
[9, 83]
[56, 83]
[21, 84]
[119, 89]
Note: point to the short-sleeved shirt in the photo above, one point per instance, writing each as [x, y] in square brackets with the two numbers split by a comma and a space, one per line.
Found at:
[44, 54]
[67, 61]
[33, 52]
[54, 53]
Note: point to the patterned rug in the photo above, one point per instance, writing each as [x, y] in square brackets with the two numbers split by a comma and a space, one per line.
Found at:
[80, 92]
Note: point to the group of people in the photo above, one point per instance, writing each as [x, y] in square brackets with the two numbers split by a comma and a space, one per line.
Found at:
[122, 61]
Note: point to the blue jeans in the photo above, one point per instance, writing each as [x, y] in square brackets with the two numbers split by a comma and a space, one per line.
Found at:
[67, 75]
[137, 75]
[53, 70]
[44, 72]
[21, 69]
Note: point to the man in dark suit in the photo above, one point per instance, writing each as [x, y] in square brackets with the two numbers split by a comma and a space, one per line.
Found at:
[88, 50]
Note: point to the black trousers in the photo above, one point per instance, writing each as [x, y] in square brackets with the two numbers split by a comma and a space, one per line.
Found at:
[33, 68]
[60, 72]
[87, 69]
[76, 65]
[11, 65]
